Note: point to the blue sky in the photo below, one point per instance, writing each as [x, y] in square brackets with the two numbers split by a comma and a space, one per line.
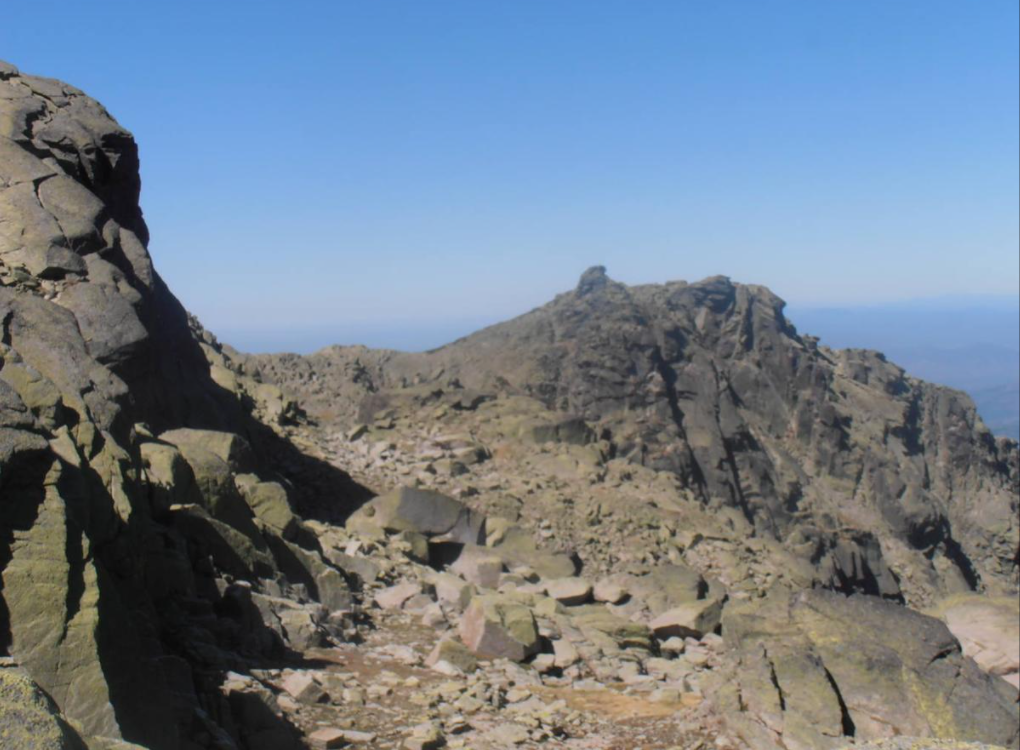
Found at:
[398, 172]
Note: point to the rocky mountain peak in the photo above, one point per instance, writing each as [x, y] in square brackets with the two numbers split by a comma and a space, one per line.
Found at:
[592, 280]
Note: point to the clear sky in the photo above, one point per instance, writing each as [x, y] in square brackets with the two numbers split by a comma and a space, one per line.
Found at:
[331, 170]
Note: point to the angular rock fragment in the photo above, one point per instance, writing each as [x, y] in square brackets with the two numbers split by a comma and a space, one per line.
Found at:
[495, 626]
[691, 620]
[569, 591]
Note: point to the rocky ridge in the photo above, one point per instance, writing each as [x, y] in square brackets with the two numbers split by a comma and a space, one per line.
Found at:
[527, 558]
[885, 484]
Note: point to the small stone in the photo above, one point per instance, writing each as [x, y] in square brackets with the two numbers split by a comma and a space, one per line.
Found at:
[544, 663]
[569, 591]
[564, 654]
[302, 687]
[454, 654]
[394, 597]
[609, 592]
[327, 739]
[673, 646]
[517, 694]
[427, 737]
[697, 657]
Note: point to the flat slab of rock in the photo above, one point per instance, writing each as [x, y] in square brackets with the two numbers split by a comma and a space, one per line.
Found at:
[817, 667]
[569, 591]
[327, 739]
[691, 620]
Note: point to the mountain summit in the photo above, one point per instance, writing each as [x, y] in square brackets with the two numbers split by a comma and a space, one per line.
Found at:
[837, 453]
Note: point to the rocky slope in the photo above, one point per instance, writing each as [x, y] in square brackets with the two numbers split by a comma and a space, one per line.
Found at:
[183, 564]
[887, 484]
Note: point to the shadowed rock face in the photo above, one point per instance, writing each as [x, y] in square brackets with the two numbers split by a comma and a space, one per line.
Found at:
[96, 358]
[867, 472]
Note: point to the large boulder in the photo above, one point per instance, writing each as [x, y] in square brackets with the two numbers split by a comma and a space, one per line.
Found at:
[517, 548]
[814, 668]
[609, 631]
[497, 626]
[426, 512]
[269, 502]
[691, 620]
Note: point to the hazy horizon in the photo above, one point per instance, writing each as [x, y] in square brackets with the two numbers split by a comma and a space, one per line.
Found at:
[839, 326]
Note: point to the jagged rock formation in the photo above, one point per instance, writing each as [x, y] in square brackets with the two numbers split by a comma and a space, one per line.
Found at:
[142, 521]
[811, 672]
[888, 485]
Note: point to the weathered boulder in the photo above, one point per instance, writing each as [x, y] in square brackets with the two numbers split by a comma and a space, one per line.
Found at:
[815, 668]
[452, 590]
[608, 630]
[518, 548]
[171, 481]
[496, 626]
[212, 457]
[29, 720]
[609, 592]
[394, 597]
[269, 502]
[690, 620]
[230, 448]
[427, 512]
[302, 686]
[569, 591]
